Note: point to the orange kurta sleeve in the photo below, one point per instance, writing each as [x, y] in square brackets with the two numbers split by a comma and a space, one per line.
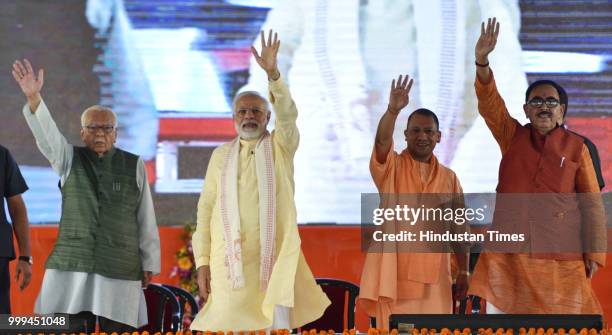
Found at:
[586, 179]
[594, 232]
[493, 109]
[381, 172]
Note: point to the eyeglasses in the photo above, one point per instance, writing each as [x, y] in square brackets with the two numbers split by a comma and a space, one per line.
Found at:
[107, 129]
[538, 102]
[243, 111]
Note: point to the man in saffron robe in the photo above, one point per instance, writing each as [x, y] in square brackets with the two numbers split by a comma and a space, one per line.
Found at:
[251, 271]
[540, 159]
[401, 282]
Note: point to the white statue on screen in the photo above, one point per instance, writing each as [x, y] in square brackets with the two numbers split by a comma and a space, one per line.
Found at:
[341, 56]
[130, 91]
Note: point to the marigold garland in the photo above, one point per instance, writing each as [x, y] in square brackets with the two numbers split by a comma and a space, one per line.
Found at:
[371, 331]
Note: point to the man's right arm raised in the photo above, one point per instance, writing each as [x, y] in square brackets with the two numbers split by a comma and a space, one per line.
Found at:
[51, 143]
[398, 99]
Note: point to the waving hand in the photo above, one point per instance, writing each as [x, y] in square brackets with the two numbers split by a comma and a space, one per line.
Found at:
[398, 97]
[29, 82]
[267, 60]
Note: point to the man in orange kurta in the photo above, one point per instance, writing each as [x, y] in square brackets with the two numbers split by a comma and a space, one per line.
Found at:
[520, 283]
[409, 283]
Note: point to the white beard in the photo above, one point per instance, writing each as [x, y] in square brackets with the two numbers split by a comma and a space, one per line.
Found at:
[249, 134]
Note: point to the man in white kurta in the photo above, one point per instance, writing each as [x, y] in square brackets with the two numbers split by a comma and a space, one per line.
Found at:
[74, 292]
[250, 291]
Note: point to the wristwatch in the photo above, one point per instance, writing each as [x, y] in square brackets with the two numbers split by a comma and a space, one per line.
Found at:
[27, 259]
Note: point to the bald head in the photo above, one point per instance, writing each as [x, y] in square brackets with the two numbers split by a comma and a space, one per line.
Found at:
[98, 112]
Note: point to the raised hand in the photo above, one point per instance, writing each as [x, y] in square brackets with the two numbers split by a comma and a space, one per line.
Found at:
[487, 40]
[268, 58]
[30, 83]
[398, 97]
[26, 78]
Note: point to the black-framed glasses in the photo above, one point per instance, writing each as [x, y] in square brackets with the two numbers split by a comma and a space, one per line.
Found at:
[538, 102]
[107, 129]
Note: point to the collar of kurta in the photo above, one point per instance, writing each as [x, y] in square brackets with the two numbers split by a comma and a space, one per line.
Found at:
[434, 171]
[539, 139]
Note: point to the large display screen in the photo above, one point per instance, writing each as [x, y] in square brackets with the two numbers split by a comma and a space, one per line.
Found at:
[170, 69]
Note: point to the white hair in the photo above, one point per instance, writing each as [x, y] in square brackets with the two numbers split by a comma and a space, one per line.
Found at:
[98, 108]
[250, 94]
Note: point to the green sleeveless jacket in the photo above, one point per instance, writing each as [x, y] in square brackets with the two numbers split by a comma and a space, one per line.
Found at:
[98, 231]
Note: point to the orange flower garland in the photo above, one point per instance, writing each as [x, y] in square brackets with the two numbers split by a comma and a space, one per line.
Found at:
[371, 331]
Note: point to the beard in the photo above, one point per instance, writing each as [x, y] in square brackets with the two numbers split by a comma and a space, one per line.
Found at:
[249, 133]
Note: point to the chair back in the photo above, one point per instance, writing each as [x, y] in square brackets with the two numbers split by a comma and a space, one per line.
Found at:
[163, 310]
[189, 306]
[340, 314]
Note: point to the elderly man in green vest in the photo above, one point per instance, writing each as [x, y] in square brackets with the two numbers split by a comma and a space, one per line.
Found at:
[108, 242]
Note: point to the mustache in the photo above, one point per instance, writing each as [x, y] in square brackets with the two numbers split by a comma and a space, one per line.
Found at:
[547, 113]
[249, 122]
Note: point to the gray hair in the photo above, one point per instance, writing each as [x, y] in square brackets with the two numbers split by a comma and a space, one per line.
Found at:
[98, 108]
[250, 94]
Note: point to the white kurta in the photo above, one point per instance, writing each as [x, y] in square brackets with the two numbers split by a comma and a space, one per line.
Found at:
[73, 292]
[292, 289]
